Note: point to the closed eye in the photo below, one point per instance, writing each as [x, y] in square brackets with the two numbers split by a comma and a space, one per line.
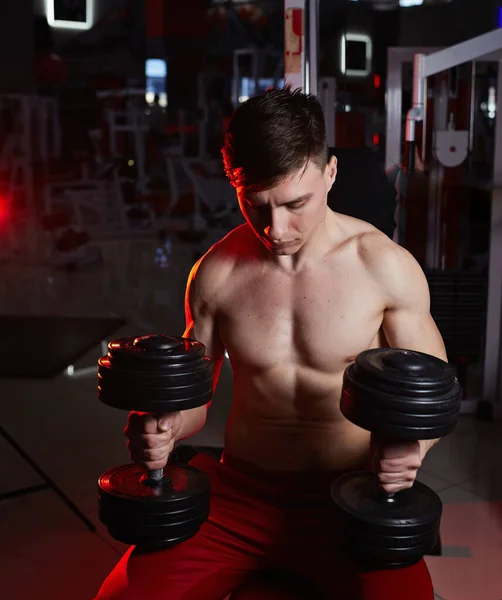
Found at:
[251, 206]
[299, 202]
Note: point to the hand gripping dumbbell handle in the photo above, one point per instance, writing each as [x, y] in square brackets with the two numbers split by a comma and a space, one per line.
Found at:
[387, 497]
[155, 475]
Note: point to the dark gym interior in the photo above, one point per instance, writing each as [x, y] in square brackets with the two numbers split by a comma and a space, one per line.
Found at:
[113, 115]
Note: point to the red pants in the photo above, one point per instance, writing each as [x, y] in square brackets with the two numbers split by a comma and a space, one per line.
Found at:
[260, 521]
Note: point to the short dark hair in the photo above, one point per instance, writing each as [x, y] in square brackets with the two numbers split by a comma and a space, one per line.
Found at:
[272, 135]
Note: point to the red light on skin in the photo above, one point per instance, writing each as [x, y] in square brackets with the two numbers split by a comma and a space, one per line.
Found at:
[376, 139]
[377, 81]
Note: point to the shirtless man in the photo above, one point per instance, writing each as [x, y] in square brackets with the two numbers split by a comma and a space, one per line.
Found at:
[293, 296]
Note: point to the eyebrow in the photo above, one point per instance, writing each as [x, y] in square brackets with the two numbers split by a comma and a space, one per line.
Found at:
[295, 201]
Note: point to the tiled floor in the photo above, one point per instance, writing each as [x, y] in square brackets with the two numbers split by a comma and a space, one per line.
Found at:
[47, 552]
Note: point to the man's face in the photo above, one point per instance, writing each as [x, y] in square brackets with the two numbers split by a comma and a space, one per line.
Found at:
[287, 215]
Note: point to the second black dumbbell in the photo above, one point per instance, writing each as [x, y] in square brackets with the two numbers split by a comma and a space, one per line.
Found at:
[398, 395]
[156, 374]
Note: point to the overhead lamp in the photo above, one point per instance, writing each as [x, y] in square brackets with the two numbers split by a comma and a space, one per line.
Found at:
[59, 15]
[347, 38]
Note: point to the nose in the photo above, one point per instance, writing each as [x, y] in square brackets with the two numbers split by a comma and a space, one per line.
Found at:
[278, 226]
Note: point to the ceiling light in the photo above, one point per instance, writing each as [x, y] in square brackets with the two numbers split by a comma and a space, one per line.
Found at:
[406, 3]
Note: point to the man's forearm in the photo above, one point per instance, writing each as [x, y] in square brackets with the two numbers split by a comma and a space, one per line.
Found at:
[192, 421]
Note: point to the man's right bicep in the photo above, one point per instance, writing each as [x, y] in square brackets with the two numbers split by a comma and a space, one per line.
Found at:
[204, 330]
[201, 324]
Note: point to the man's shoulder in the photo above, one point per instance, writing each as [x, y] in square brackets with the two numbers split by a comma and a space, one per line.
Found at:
[379, 255]
[213, 270]
[367, 240]
[390, 265]
[374, 247]
[226, 251]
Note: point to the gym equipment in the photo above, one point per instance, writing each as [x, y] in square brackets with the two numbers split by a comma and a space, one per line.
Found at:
[458, 307]
[451, 147]
[405, 396]
[301, 63]
[428, 62]
[157, 374]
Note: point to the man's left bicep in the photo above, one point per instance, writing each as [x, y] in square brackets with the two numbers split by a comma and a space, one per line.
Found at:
[413, 329]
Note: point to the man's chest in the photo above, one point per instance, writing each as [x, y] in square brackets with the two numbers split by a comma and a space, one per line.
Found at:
[322, 319]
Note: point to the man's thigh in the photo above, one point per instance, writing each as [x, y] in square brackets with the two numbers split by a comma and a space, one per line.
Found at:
[314, 550]
[412, 583]
[207, 567]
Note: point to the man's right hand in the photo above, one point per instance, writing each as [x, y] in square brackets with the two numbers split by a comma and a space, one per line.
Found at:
[151, 439]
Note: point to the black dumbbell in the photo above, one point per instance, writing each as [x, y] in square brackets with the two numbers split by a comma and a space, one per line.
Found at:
[156, 374]
[397, 395]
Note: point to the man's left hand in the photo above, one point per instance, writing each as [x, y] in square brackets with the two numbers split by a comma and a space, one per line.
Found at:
[397, 463]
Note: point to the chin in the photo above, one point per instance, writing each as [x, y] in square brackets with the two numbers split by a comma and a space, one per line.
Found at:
[284, 251]
[288, 250]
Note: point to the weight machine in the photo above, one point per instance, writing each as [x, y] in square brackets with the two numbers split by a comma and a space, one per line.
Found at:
[426, 63]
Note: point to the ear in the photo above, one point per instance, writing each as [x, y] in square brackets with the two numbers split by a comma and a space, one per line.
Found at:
[331, 171]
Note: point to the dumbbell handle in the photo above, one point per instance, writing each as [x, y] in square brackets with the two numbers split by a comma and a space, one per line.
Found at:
[388, 497]
[155, 474]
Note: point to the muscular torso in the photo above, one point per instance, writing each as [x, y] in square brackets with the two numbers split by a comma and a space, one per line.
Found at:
[290, 337]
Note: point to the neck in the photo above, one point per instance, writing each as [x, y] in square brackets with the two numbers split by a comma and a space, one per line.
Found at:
[313, 250]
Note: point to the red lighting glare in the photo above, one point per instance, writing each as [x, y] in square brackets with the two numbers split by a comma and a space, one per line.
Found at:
[4, 210]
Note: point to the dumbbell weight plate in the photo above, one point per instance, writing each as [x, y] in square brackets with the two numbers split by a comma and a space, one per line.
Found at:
[110, 515]
[153, 400]
[391, 552]
[153, 539]
[150, 518]
[404, 372]
[394, 425]
[178, 380]
[154, 352]
[183, 487]
[137, 512]
[396, 533]
[401, 393]
[155, 374]
[133, 532]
